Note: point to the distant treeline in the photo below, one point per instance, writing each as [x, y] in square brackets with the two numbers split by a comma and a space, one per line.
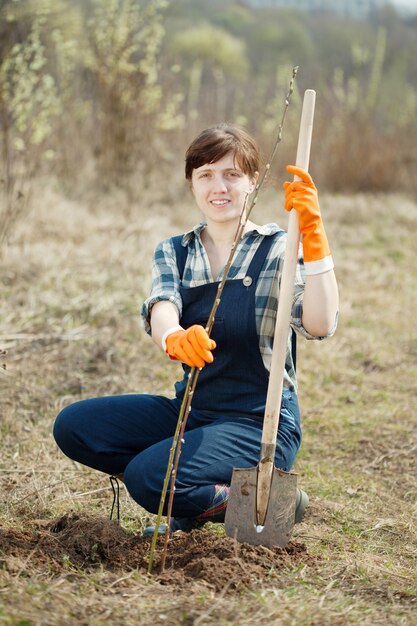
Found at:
[103, 90]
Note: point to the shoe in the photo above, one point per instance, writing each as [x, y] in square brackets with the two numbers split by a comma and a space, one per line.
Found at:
[186, 524]
[301, 504]
[149, 530]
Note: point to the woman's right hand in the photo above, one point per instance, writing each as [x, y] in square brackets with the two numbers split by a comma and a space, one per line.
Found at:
[192, 346]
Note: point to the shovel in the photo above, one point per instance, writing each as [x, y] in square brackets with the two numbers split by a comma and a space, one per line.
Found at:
[261, 506]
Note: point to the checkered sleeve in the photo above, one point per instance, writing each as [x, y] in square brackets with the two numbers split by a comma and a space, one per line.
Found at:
[165, 281]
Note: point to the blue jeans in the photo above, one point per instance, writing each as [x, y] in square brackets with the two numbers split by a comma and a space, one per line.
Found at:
[132, 435]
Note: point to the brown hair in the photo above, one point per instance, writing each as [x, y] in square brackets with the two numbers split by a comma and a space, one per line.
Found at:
[214, 143]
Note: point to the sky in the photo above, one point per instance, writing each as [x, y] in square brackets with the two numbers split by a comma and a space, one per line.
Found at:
[408, 6]
[411, 5]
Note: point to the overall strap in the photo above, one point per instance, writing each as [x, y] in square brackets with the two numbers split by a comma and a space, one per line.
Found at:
[259, 257]
[181, 253]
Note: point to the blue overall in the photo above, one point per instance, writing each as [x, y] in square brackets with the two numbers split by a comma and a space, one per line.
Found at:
[132, 434]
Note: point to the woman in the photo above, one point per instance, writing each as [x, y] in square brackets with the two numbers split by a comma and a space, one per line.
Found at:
[131, 435]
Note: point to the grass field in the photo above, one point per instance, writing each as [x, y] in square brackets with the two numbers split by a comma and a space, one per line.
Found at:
[72, 281]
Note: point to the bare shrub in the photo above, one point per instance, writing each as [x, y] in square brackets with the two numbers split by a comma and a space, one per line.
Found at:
[28, 105]
[123, 41]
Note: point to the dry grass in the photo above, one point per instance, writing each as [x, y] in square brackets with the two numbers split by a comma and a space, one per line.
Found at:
[72, 281]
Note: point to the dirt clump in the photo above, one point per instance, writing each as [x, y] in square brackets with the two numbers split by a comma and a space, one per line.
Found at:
[86, 542]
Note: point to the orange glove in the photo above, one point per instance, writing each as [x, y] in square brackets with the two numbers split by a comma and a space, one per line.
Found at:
[302, 196]
[192, 346]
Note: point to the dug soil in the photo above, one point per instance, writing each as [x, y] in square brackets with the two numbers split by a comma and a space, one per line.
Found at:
[83, 542]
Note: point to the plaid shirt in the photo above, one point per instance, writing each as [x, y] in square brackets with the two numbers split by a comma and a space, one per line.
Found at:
[166, 282]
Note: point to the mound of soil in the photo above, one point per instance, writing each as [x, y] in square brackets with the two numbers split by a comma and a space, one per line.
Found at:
[85, 542]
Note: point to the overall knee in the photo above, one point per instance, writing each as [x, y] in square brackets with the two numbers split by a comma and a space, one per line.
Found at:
[65, 429]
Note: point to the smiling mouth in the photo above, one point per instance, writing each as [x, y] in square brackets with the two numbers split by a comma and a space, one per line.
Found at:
[219, 202]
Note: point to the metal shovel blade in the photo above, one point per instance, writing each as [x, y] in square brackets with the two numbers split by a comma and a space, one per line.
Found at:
[241, 522]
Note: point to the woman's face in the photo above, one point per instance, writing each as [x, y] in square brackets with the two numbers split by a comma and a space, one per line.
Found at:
[220, 189]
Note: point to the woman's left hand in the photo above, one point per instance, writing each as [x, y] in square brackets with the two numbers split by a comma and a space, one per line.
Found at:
[302, 196]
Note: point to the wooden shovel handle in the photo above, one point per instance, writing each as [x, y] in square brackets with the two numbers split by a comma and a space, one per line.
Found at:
[282, 324]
